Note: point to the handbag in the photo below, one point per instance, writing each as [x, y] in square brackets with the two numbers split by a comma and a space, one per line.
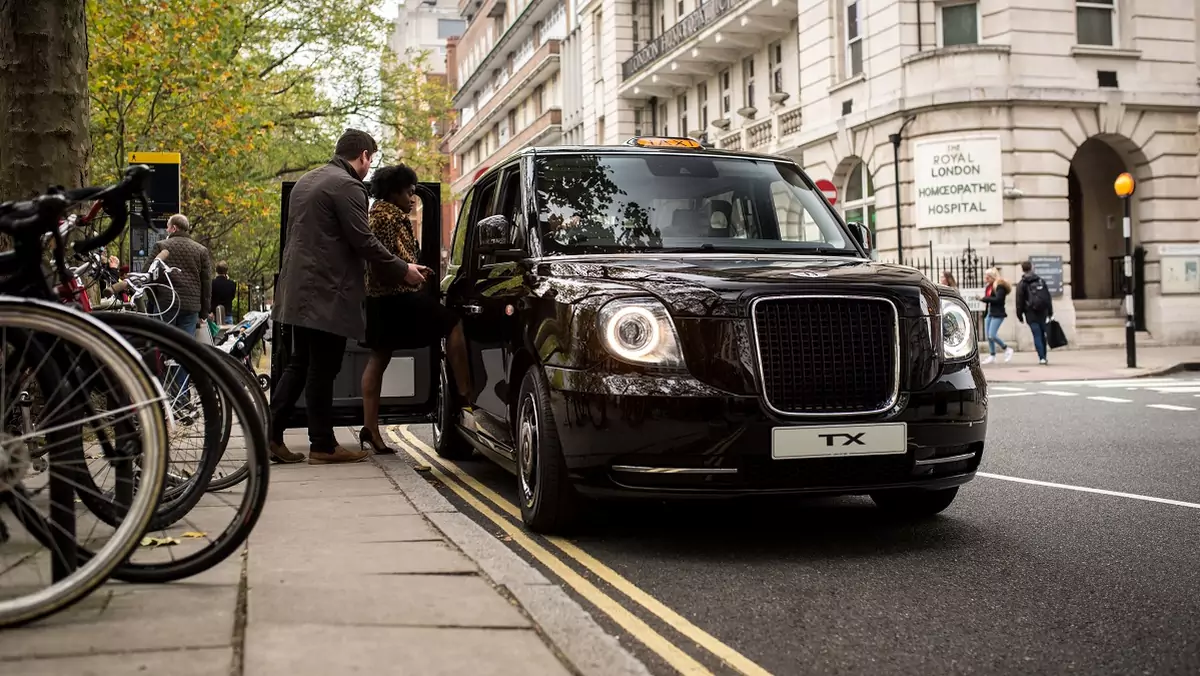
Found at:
[1055, 336]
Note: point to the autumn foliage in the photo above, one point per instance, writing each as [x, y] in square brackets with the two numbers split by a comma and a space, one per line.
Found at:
[251, 92]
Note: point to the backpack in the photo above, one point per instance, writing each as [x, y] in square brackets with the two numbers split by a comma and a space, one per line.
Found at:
[1038, 301]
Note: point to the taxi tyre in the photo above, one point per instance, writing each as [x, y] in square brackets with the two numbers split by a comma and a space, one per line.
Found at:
[915, 503]
[550, 505]
[448, 440]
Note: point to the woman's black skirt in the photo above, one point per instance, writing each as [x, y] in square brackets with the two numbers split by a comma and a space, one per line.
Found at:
[406, 321]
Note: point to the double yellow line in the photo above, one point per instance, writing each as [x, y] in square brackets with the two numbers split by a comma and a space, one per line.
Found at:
[466, 487]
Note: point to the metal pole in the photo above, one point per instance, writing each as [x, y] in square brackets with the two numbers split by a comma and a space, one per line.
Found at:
[895, 139]
[1130, 325]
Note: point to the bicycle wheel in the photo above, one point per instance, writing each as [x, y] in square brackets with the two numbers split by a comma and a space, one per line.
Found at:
[193, 538]
[238, 470]
[58, 338]
[172, 356]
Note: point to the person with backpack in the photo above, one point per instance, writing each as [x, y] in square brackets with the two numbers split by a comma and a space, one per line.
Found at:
[1035, 306]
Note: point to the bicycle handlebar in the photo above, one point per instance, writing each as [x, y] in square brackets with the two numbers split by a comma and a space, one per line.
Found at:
[44, 212]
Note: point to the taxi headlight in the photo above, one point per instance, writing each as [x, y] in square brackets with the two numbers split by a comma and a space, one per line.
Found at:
[958, 331]
[640, 331]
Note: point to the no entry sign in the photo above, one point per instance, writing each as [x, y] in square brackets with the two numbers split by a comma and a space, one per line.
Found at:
[826, 186]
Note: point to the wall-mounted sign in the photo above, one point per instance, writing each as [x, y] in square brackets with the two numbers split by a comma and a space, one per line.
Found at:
[1050, 269]
[959, 181]
[1180, 267]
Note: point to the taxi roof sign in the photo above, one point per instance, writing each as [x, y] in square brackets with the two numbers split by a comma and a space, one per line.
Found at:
[665, 142]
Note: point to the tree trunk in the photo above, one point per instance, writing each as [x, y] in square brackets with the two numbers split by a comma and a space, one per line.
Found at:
[43, 96]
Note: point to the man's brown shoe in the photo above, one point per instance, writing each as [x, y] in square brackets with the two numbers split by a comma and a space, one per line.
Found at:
[280, 453]
[338, 456]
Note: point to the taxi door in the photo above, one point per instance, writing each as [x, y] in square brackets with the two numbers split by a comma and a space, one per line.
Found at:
[410, 383]
[487, 298]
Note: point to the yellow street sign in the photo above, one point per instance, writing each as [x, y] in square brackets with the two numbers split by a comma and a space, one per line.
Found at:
[155, 158]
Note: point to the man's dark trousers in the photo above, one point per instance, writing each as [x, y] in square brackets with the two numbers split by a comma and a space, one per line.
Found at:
[312, 366]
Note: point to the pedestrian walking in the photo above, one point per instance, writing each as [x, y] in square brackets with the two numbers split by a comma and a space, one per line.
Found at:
[1034, 306]
[949, 280]
[224, 290]
[995, 293]
[321, 289]
[193, 281]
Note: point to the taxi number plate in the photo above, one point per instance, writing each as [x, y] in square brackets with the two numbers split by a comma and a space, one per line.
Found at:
[832, 441]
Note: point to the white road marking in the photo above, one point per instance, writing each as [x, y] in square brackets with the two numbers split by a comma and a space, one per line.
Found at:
[1170, 407]
[1114, 400]
[1059, 393]
[1001, 388]
[1011, 394]
[1175, 390]
[1123, 382]
[1084, 489]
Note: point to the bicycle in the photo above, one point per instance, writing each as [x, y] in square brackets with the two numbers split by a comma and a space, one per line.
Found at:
[70, 348]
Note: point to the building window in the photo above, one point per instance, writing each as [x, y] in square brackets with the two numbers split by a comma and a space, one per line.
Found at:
[748, 79]
[450, 28]
[597, 27]
[959, 24]
[662, 118]
[702, 98]
[639, 116]
[600, 130]
[679, 10]
[681, 109]
[854, 43]
[726, 96]
[775, 61]
[859, 204]
[1096, 22]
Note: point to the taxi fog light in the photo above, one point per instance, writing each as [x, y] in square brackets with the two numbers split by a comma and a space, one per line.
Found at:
[640, 331]
[958, 330]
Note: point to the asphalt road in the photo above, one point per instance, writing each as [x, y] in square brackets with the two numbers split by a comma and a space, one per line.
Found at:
[1015, 577]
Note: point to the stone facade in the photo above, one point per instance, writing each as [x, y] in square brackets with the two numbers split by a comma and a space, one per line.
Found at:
[1053, 98]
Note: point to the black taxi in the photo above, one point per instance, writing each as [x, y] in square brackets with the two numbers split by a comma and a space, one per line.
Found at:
[668, 320]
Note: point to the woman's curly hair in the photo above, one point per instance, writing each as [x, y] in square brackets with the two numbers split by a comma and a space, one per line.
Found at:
[388, 181]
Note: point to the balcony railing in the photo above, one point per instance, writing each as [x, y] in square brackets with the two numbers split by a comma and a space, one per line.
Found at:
[549, 122]
[493, 102]
[688, 26]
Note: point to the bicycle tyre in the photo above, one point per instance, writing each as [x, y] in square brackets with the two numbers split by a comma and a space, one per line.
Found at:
[112, 351]
[175, 504]
[250, 384]
[254, 497]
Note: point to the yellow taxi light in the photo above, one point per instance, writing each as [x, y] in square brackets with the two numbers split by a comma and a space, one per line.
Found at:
[664, 142]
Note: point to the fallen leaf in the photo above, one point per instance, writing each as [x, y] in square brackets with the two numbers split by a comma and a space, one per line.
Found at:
[194, 534]
[423, 468]
[158, 542]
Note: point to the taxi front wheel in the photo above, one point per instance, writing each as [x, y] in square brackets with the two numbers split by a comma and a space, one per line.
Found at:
[915, 503]
[549, 503]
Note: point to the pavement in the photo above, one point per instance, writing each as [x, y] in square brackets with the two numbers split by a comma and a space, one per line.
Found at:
[1072, 552]
[1097, 364]
[352, 569]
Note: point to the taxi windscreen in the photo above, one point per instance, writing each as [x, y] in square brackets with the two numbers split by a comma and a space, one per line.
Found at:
[596, 203]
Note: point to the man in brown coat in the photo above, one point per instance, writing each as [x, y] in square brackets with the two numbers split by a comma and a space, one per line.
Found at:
[321, 288]
[193, 282]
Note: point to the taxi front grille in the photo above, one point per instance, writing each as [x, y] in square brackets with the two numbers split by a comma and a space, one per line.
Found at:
[827, 355]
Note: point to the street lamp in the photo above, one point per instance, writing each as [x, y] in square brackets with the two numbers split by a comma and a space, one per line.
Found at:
[1124, 187]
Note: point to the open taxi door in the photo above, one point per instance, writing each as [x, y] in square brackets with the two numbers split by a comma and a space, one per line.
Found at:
[410, 383]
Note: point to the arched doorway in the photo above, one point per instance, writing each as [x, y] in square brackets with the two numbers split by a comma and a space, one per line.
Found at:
[1095, 213]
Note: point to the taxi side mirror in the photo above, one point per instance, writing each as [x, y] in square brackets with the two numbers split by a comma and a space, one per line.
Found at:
[493, 240]
[492, 234]
[862, 234]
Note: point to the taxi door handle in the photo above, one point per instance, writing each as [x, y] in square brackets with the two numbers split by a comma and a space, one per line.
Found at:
[473, 309]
